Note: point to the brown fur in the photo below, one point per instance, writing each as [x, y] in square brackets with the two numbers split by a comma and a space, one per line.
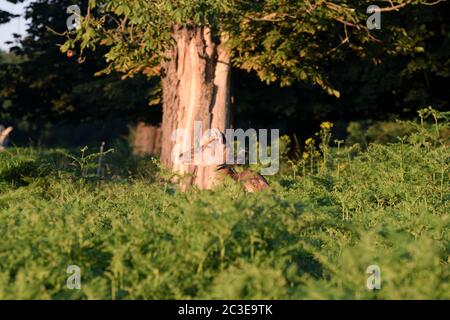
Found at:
[250, 181]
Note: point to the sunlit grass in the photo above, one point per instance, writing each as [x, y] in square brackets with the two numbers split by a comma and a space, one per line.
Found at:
[311, 236]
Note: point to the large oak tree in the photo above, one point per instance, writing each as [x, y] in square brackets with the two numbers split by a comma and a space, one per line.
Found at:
[192, 45]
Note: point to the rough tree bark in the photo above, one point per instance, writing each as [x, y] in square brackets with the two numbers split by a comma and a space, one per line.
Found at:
[196, 87]
[147, 139]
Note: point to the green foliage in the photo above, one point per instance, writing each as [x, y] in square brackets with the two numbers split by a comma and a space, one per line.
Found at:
[383, 132]
[311, 236]
[16, 168]
[279, 40]
[41, 85]
[365, 132]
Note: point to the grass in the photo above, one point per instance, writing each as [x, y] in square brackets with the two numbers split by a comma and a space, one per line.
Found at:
[311, 236]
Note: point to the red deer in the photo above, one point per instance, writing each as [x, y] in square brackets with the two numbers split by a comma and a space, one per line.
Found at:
[250, 181]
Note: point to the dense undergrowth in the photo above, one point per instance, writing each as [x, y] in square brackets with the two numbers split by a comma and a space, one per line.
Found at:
[328, 216]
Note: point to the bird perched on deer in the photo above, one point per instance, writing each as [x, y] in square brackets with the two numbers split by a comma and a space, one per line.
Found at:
[216, 144]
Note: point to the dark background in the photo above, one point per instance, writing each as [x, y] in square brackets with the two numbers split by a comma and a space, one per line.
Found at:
[53, 100]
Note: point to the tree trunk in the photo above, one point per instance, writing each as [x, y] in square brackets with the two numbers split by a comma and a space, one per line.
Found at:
[146, 139]
[196, 87]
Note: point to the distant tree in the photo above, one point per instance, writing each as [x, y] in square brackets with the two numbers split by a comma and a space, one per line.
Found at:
[41, 86]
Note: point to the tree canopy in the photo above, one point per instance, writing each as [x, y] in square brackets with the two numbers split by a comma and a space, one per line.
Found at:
[43, 84]
[394, 70]
[281, 40]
